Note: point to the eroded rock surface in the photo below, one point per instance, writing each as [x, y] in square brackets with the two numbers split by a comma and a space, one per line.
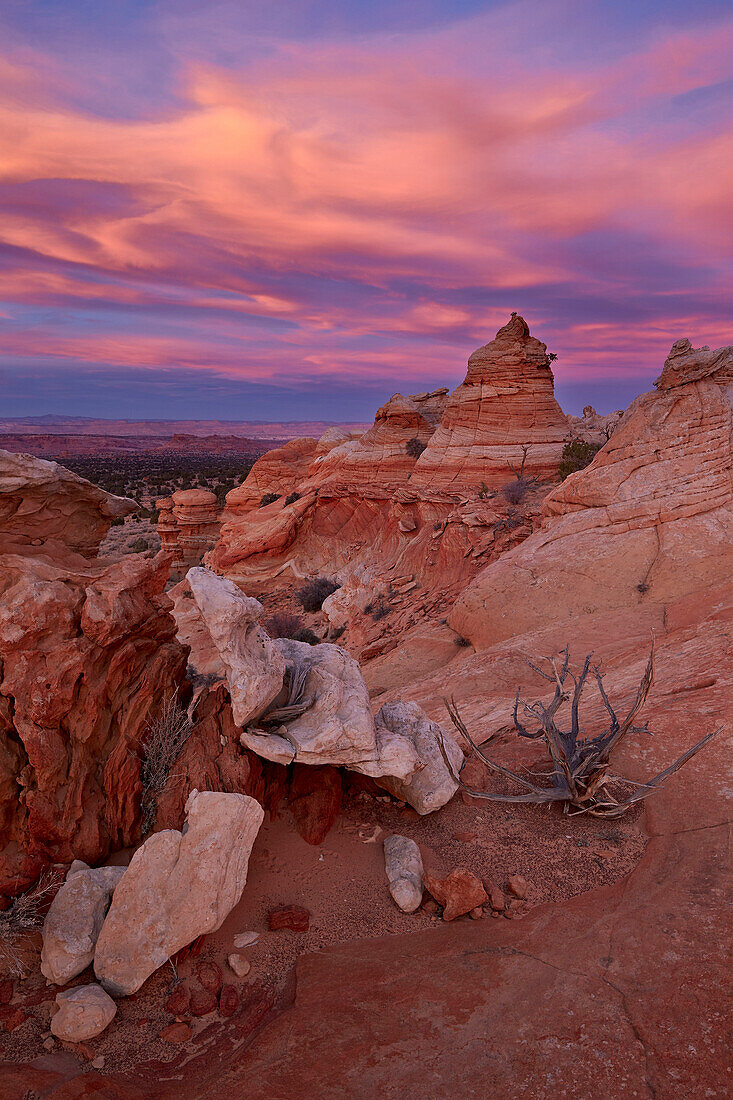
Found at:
[74, 920]
[430, 785]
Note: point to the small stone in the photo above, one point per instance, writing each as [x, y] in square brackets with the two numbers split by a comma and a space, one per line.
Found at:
[14, 1019]
[98, 1062]
[496, 897]
[294, 917]
[179, 1032]
[464, 837]
[203, 1001]
[49, 1044]
[83, 1013]
[477, 913]
[179, 1001]
[404, 870]
[239, 965]
[430, 905]
[228, 1001]
[210, 976]
[458, 893]
[6, 991]
[246, 939]
[517, 885]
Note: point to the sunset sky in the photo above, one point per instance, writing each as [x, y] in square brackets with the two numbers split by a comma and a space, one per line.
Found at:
[216, 208]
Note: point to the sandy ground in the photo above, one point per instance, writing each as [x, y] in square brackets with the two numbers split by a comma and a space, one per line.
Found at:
[342, 884]
[120, 539]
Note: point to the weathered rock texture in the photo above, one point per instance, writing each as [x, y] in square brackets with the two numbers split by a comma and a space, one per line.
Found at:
[178, 886]
[75, 919]
[652, 512]
[188, 526]
[42, 502]
[404, 870]
[279, 471]
[83, 1013]
[87, 656]
[505, 403]
[593, 427]
[431, 785]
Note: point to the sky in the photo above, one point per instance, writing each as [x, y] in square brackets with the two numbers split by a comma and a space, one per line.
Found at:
[292, 210]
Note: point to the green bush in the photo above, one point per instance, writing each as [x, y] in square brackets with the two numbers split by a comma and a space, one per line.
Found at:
[576, 456]
[269, 498]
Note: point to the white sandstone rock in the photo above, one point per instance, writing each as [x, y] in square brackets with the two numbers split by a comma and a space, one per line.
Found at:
[253, 666]
[83, 1012]
[74, 920]
[239, 965]
[178, 886]
[403, 865]
[431, 785]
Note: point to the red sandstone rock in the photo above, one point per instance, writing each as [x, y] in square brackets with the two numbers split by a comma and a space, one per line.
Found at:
[188, 525]
[13, 1019]
[517, 886]
[178, 1032]
[44, 505]
[506, 402]
[228, 1001]
[315, 799]
[203, 1001]
[294, 917]
[458, 893]
[6, 991]
[210, 975]
[495, 895]
[179, 1001]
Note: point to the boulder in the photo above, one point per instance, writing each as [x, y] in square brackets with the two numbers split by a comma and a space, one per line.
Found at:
[408, 730]
[74, 920]
[83, 1013]
[179, 885]
[404, 870]
[253, 666]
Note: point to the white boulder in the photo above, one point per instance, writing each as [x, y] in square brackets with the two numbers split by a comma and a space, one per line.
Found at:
[74, 920]
[404, 869]
[178, 886]
[83, 1013]
[430, 785]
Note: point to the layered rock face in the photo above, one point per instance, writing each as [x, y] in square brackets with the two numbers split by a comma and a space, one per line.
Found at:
[41, 502]
[87, 655]
[650, 516]
[279, 471]
[188, 526]
[505, 403]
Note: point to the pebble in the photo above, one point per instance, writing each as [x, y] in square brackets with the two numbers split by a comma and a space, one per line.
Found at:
[179, 1032]
[239, 965]
[98, 1062]
[517, 885]
[477, 913]
[246, 939]
[294, 917]
[49, 1044]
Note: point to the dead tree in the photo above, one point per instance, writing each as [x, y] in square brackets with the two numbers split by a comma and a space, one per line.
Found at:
[581, 776]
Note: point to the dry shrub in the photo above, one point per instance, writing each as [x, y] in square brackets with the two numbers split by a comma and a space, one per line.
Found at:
[25, 914]
[581, 777]
[165, 738]
[415, 447]
[284, 624]
[313, 593]
[515, 491]
[268, 498]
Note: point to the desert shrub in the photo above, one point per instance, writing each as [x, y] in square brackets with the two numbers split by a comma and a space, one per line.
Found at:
[576, 455]
[284, 624]
[313, 593]
[483, 491]
[25, 914]
[515, 491]
[139, 546]
[461, 642]
[268, 498]
[117, 521]
[292, 497]
[164, 739]
[337, 632]
[380, 609]
[415, 447]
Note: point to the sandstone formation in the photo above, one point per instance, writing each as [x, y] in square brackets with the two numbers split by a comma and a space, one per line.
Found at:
[87, 656]
[593, 427]
[430, 786]
[83, 1013]
[651, 511]
[74, 920]
[253, 665]
[178, 886]
[43, 503]
[458, 893]
[505, 404]
[404, 870]
[279, 472]
[188, 526]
